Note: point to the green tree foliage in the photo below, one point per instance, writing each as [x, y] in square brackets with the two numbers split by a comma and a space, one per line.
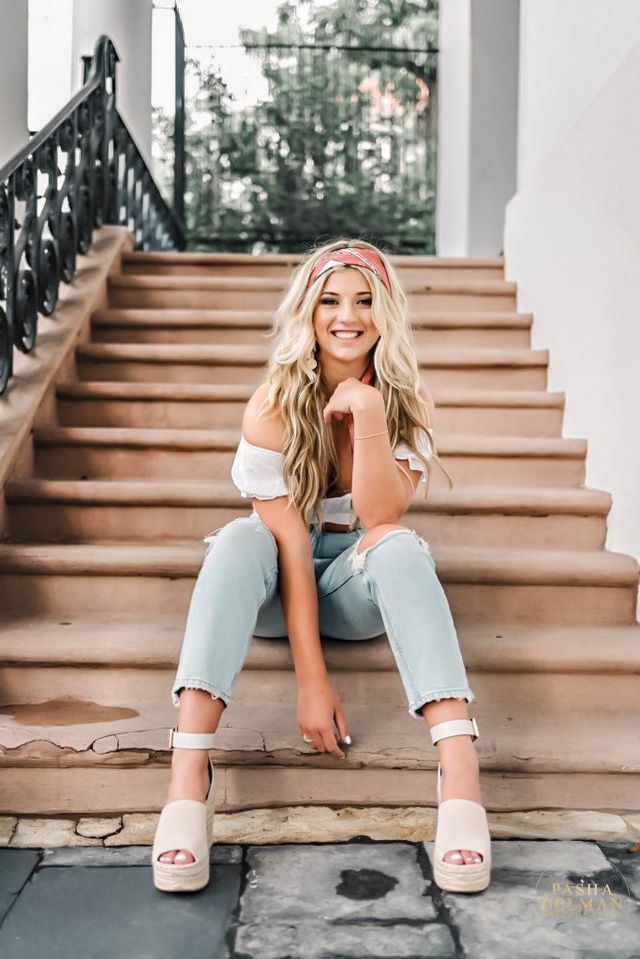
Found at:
[345, 142]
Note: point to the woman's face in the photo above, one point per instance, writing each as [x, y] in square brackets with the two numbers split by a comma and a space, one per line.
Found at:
[344, 304]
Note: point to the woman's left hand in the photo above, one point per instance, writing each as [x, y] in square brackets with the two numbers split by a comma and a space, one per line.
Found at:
[346, 394]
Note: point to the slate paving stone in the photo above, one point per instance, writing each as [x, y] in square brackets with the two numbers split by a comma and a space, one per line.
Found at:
[539, 912]
[15, 867]
[628, 862]
[117, 913]
[314, 939]
[505, 921]
[335, 881]
[125, 855]
[538, 855]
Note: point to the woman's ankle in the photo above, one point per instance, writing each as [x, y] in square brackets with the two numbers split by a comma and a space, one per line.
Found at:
[189, 759]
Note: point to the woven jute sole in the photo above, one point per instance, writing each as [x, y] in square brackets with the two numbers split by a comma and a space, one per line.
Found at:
[473, 877]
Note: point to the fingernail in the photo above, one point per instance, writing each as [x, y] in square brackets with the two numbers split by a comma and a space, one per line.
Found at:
[347, 739]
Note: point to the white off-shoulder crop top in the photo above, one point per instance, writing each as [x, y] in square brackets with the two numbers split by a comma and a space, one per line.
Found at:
[257, 472]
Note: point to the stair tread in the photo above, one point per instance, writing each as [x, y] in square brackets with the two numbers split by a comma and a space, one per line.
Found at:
[194, 317]
[227, 439]
[456, 564]
[462, 499]
[285, 259]
[174, 281]
[109, 389]
[384, 737]
[106, 640]
[202, 353]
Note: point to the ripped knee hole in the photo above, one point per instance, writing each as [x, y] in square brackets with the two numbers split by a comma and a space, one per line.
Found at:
[357, 559]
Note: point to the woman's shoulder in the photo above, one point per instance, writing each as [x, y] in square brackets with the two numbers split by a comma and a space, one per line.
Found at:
[262, 429]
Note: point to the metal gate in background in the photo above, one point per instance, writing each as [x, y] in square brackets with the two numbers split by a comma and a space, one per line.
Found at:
[320, 140]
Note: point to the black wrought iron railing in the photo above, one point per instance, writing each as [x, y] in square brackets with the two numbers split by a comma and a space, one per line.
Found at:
[50, 205]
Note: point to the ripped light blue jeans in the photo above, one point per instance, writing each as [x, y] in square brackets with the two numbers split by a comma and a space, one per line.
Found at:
[391, 587]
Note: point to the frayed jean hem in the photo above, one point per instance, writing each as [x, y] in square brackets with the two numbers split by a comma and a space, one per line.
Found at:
[459, 693]
[216, 693]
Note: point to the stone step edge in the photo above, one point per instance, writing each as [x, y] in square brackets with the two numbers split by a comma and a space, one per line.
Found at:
[504, 648]
[247, 284]
[220, 392]
[313, 823]
[505, 500]
[141, 742]
[285, 259]
[461, 444]
[249, 355]
[456, 564]
[204, 318]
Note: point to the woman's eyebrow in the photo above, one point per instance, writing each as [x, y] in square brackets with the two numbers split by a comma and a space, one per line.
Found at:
[361, 293]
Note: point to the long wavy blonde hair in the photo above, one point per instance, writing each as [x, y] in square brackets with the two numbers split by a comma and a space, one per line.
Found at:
[297, 391]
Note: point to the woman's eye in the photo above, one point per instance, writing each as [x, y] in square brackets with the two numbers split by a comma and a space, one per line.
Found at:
[367, 302]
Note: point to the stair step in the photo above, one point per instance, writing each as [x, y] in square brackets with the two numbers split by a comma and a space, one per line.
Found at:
[430, 330]
[200, 405]
[90, 641]
[178, 511]
[111, 758]
[482, 584]
[280, 265]
[226, 363]
[124, 453]
[246, 292]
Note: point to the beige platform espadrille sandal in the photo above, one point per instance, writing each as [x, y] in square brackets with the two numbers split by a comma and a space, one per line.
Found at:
[185, 824]
[462, 824]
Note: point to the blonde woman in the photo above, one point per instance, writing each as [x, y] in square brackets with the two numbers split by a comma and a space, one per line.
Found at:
[334, 444]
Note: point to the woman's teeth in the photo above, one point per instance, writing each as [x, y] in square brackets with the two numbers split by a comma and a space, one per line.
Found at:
[346, 336]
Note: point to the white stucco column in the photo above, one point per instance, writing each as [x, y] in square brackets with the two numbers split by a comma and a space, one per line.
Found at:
[128, 24]
[14, 88]
[477, 124]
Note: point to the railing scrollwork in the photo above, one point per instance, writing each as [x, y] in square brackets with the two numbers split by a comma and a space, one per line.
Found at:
[90, 172]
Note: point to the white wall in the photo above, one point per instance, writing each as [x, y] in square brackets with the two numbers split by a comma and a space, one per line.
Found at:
[50, 33]
[477, 124]
[128, 24]
[568, 50]
[572, 245]
[454, 111]
[13, 78]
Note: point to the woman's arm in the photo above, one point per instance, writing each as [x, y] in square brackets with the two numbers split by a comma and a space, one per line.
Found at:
[382, 488]
[298, 594]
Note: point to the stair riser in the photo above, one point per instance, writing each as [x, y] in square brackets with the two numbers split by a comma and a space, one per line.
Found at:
[484, 421]
[91, 523]
[95, 695]
[429, 339]
[469, 602]
[96, 462]
[139, 298]
[105, 791]
[407, 275]
[138, 371]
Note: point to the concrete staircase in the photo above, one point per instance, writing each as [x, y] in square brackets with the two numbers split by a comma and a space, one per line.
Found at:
[127, 471]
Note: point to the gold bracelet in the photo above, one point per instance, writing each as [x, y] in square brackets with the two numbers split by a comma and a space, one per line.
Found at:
[371, 434]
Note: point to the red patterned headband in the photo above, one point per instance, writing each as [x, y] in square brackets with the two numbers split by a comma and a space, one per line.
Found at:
[349, 255]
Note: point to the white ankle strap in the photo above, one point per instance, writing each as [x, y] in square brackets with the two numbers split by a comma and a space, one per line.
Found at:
[455, 727]
[191, 740]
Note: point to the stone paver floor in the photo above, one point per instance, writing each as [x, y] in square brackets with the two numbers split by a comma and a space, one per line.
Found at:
[361, 898]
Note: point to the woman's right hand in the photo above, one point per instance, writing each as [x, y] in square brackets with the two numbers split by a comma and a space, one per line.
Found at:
[318, 703]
